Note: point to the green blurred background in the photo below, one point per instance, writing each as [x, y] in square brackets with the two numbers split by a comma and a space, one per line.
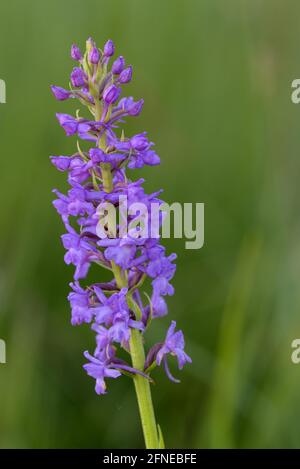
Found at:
[216, 77]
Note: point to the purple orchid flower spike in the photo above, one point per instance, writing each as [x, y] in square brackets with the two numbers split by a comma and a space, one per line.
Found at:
[116, 311]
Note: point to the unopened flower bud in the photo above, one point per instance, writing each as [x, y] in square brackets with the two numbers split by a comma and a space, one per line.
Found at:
[135, 108]
[77, 77]
[90, 43]
[76, 53]
[118, 65]
[126, 75]
[60, 93]
[111, 94]
[109, 48]
[94, 55]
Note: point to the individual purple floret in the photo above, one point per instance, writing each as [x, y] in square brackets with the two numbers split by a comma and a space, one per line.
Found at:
[97, 175]
[100, 369]
[125, 75]
[109, 48]
[173, 344]
[60, 93]
[78, 77]
[94, 56]
[118, 65]
[76, 53]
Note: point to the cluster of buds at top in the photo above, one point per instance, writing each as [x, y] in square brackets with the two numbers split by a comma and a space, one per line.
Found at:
[98, 175]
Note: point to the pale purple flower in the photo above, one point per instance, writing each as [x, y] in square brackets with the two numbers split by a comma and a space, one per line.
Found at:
[139, 142]
[159, 306]
[121, 251]
[99, 370]
[68, 123]
[80, 303]
[62, 163]
[174, 344]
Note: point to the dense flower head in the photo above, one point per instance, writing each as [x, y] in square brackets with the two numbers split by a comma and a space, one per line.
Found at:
[98, 175]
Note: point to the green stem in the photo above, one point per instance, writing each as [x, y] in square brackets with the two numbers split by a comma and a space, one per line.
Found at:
[143, 392]
[142, 386]
[106, 177]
